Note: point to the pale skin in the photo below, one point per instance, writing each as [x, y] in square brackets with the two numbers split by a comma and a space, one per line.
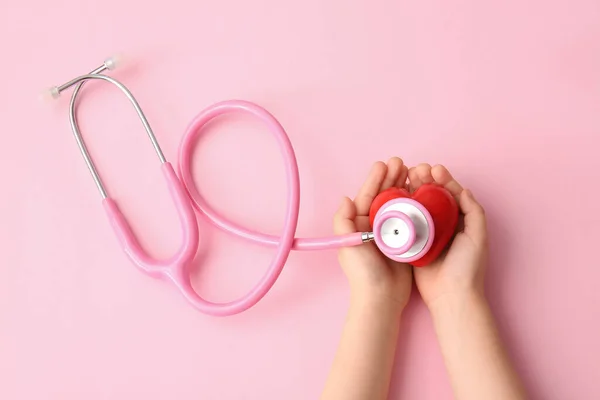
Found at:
[452, 288]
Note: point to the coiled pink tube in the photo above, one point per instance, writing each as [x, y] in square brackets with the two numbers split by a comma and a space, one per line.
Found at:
[284, 244]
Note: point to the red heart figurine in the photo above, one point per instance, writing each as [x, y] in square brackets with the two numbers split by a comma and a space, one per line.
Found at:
[440, 204]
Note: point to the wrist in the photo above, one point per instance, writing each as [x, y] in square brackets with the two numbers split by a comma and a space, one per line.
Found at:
[375, 305]
[454, 302]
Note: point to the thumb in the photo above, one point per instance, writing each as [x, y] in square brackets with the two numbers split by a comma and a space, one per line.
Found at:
[343, 221]
[475, 220]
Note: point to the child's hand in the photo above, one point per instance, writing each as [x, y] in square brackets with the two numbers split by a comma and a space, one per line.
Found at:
[460, 270]
[373, 278]
[452, 288]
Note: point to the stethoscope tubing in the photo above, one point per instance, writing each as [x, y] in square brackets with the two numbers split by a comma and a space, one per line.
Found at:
[186, 151]
[186, 198]
[286, 242]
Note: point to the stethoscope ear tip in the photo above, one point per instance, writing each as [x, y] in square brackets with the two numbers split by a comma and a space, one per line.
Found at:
[53, 93]
[49, 94]
[115, 61]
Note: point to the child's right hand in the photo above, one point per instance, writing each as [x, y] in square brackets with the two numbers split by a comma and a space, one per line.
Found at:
[460, 270]
[452, 288]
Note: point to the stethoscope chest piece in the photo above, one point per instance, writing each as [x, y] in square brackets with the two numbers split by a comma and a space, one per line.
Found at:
[403, 230]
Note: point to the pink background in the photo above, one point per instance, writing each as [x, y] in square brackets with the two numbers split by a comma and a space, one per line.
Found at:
[505, 93]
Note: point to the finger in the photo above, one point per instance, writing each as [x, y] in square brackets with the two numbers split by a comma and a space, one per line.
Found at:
[370, 188]
[362, 223]
[442, 176]
[401, 182]
[343, 220]
[420, 175]
[394, 168]
[475, 221]
[424, 172]
[413, 179]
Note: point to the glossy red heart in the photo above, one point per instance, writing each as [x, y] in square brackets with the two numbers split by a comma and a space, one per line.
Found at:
[440, 204]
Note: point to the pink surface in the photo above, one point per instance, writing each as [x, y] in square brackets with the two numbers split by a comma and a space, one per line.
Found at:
[506, 94]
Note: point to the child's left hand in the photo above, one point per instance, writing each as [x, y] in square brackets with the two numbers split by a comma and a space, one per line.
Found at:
[373, 278]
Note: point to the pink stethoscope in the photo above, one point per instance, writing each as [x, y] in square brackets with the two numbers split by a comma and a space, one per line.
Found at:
[403, 229]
